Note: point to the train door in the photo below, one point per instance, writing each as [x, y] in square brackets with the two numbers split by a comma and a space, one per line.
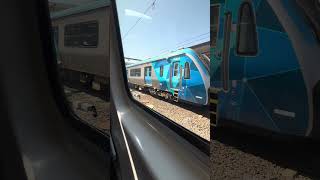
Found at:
[228, 63]
[175, 77]
[147, 76]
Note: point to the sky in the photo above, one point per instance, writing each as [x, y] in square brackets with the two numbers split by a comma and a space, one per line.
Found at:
[165, 27]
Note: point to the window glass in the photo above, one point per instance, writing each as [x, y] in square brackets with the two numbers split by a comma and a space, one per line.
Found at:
[159, 37]
[246, 31]
[84, 73]
[186, 71]
[83, 34]
[176, 69]
[214, 24]
[135, 72]
[161, 71]
[267, 18]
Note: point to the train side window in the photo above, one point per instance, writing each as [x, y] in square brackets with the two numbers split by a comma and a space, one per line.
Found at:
[135, 72]
[161, 71]
[175, 69]
[84, 74]
[186, 70]
[161, 88]
[214, 23]
[247, 43]
[83, 34]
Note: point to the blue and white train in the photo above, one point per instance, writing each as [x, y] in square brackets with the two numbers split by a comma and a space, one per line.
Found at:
[182, 75]
[265, 65]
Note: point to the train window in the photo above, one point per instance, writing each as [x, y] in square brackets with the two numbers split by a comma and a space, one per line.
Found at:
[247, 43]
[186, 70]
[214, 23]
[161, 71]
[135, 72]
[163, 56]
[84, 74]
[175, 69]
[83, 34]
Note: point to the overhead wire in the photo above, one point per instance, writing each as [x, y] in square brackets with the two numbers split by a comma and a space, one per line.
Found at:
[134, 25]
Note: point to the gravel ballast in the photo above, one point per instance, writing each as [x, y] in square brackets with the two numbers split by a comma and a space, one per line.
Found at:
[82, 104]
[238, 155]
[192, 118]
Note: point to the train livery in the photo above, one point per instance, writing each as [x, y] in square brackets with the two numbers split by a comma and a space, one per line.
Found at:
[265, 60]
[182, 75]
[81, 37]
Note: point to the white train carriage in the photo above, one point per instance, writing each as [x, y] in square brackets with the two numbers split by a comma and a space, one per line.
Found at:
[82, 41]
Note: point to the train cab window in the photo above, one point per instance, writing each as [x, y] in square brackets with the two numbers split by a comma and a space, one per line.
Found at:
[247, 43]
[214, 23]
[175, 69]
[84, 74]
[161, 57]
[186, 70]
[161, 71]
[84, 34]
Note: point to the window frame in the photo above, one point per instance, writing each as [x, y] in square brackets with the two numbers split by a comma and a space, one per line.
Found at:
[251, 9]
[84, 128]
[82, 46]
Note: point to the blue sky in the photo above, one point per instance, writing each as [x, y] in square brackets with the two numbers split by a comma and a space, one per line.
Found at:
[169, 25]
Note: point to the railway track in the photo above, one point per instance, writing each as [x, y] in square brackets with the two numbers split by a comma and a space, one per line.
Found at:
[239, 155]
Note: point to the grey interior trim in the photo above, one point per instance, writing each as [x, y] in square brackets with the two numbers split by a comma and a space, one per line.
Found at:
[50, 146]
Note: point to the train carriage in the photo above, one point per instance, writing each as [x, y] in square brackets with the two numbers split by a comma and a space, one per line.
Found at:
[81, 36]
[265, 59]
[182, 75]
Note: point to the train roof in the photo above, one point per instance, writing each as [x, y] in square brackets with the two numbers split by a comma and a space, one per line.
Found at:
[80, 9]
[175, 53]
